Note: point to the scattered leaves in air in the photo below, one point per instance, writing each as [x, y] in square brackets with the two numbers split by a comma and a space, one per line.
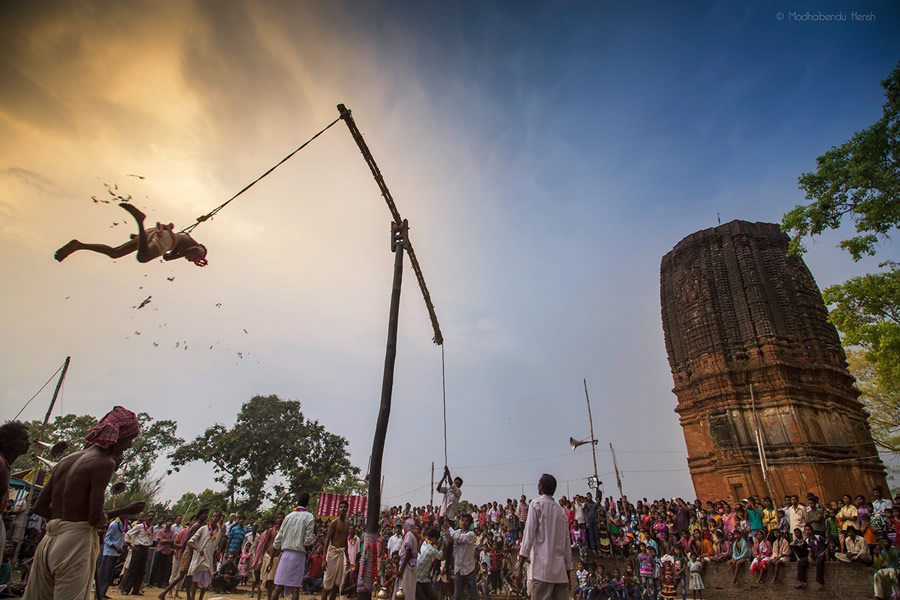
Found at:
[218, 305]
[210, 347]
[178, 344]
[170, 278]
[137, 333]
[145, 302]
[240, 355]
[67, 297]
[133, 175]
[155, 344]
[245, 331]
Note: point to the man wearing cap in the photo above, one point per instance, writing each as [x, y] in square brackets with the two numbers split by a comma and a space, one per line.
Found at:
[72, 500]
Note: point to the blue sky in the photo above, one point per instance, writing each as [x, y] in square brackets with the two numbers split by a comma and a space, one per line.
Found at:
[547, 156]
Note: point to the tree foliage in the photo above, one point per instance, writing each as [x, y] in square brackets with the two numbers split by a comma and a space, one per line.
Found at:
[860, 179]
[190, 503]
[882, 405]
[867, 312]
[271, 454]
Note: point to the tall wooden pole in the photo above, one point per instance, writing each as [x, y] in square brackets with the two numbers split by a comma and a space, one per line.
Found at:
[367, 575]
[593, 441]
[431, 497]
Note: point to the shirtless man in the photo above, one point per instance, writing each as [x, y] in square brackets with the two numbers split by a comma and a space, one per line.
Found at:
[14, 443]
[268, 564]
[159, 241]
[336, 555]
[72, 500]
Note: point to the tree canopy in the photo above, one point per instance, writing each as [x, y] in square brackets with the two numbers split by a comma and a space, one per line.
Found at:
[271, 454]
[883, 406]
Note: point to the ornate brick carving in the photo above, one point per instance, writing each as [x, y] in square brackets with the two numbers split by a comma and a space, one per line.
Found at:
[736, 311]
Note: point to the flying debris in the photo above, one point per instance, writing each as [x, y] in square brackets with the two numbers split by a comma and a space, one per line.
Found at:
[245, 331]
[133, 175]
[144, 303]
[67, 297]
[210, 347]
[240, 355]
[218, 305]
[177, 344]
[137, 333]
[170, 278]
[155, 344]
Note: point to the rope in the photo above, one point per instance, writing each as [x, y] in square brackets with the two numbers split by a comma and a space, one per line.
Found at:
[37, 392]
[213, 212]
[444, 386]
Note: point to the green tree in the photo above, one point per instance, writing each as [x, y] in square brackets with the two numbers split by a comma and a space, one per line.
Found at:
[859, 178]
[190, 502]
[271, 441]
[883, 406]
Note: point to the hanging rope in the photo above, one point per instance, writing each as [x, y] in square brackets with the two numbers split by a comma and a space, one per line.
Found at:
[213, 212]
[444, 388]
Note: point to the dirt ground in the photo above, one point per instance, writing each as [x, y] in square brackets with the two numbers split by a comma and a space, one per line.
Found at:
[151, 593]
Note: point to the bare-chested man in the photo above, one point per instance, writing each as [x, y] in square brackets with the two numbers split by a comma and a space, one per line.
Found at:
[160, 241]
[336, 556]
[268, 564]
[13, 444]
[72, 500]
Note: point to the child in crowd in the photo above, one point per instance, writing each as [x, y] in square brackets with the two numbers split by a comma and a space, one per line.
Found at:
[695, 565]
[831, 526]
[668, 582]
[581, 576]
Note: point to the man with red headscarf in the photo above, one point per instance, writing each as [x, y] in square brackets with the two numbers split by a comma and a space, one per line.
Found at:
[72, 500]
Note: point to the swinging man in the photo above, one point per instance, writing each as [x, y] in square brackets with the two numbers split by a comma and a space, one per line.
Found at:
[159, 241]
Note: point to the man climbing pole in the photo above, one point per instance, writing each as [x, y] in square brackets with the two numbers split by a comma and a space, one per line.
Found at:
[156, 242]
[452, 494]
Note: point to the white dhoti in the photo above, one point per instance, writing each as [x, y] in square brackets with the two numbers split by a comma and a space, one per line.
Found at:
[334, 568]
[64, 562]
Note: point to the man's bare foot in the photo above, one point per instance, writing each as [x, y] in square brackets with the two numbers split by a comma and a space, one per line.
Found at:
[66, 250]
[134, 210]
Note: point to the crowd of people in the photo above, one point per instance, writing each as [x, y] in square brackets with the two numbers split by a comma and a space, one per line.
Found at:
[661, 547]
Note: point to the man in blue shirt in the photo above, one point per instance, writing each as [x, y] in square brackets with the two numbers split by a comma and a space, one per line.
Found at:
[236, 536]
[113, 545]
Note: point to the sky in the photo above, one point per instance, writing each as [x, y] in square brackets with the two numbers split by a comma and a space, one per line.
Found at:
[546, 154]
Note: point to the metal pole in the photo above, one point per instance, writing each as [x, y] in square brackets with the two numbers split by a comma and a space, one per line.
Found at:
[35, 469]
[367, 575]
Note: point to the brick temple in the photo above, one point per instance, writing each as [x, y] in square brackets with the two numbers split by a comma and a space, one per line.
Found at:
[736, 311]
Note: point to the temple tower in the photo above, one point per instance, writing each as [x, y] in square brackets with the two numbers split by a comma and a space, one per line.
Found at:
[736, 311]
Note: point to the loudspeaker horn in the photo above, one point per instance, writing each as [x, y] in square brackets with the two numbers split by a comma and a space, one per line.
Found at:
[575, 443]
[57, 449]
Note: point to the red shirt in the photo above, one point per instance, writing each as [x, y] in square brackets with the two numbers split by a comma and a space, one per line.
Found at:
[315, 566]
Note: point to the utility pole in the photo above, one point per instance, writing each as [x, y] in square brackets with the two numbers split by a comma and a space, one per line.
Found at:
[431, 497]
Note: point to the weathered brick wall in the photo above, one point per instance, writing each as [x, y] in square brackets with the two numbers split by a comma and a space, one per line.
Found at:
[736, 312]
[842, 582]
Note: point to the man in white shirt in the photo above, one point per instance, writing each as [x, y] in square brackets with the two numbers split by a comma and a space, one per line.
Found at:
[796, 514]
[452, 494]
[297, 532]
[881, 506]
[140, 536]
[394, 542]
[545, 544]
[463, 557]
[203, 544]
